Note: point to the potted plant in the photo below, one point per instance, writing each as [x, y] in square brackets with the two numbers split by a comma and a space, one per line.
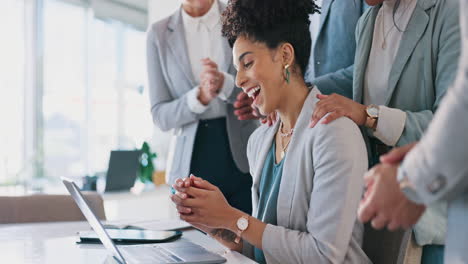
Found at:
[146, 168]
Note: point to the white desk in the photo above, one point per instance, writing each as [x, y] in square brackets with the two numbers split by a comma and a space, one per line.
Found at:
[54, 243]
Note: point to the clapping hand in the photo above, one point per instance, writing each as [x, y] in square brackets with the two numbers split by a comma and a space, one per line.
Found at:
[211, 81]
[384, 205]
[201, 204]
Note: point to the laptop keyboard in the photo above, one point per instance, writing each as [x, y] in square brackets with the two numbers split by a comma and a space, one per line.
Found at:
[153, 254]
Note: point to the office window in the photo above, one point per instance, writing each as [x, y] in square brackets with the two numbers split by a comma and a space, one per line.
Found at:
[120, 109]
[65, 89]
[104, 106]
[93, 90]
[93, 97]
[137, 122]
[12, 74]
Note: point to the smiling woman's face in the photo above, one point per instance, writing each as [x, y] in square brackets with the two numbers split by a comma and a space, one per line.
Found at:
[259, 73]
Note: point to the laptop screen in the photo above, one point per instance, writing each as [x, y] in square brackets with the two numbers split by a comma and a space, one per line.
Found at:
[92, 219]
[122, 170]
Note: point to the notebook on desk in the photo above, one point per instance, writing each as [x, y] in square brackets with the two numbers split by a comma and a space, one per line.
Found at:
[181, 251]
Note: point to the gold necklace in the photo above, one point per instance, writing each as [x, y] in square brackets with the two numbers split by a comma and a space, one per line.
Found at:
[284, 135]
[385, 35]
[284, 148]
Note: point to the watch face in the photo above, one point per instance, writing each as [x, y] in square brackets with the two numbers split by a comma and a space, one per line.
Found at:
[373, 111]
[242, 223]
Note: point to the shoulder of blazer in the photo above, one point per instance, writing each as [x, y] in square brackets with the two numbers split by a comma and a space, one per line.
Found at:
[446, 7]
[166, 24]
[363, 20]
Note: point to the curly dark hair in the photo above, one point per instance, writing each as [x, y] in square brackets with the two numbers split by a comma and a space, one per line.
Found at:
[272, 22]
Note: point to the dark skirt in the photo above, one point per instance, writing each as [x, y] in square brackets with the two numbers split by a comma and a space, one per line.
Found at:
[212, 160]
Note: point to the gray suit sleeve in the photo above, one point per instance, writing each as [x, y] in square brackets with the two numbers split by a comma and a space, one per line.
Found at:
[168, 112]
[446, 69]
[339, 162]
[438, 166]
[339, 82]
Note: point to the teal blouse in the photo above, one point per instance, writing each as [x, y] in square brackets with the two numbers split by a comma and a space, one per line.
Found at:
[268, 194]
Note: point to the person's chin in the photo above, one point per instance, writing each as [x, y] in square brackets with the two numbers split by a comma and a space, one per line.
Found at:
[264, 111]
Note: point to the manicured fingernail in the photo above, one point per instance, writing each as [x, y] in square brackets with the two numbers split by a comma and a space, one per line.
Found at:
[184, 196]
[188, 210]
[197, 182]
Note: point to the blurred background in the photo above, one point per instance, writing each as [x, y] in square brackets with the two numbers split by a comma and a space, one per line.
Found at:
[73, 88]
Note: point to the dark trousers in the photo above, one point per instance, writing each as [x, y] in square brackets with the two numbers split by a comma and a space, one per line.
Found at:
[377, 149]
[212, 160]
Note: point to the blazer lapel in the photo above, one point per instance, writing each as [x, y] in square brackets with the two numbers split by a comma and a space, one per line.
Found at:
[414, 31]
[260, 162]
[362, 55]
[178, 46]
[324, 11]
[290, 172]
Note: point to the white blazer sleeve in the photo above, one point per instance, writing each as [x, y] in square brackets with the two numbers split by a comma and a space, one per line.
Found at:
[167, 112]
[438, 166]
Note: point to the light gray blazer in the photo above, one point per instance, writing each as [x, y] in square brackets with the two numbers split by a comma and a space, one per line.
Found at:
[425, 66]
[438, 166]
[170, 78]
[320, 190]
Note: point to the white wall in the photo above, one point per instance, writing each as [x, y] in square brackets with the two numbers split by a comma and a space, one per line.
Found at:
[159, 9]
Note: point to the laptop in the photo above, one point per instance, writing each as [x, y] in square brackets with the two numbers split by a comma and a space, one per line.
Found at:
[181, 251]
[122, 170]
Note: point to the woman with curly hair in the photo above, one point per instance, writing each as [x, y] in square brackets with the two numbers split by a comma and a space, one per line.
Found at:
[306, 183]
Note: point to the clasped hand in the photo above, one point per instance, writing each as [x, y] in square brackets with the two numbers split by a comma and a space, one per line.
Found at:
[384, 205]
[211, 81]
[201, 204]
